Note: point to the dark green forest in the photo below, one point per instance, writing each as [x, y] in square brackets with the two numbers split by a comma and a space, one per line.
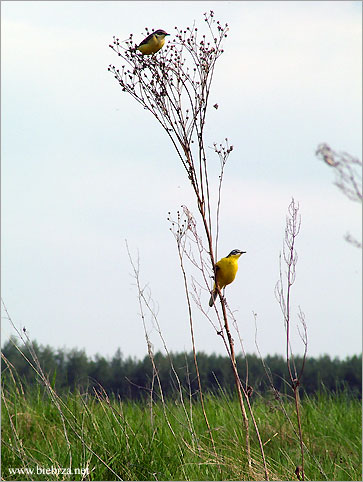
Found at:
[69, 370]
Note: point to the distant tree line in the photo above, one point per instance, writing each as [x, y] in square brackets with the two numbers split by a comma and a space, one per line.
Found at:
[68, 370]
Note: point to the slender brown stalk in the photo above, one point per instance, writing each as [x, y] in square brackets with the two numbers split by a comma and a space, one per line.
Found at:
[144, 301]
[180, 239]
[236, 377]
[283, 295]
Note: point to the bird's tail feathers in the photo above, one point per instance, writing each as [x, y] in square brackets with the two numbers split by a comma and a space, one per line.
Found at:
[213, 297]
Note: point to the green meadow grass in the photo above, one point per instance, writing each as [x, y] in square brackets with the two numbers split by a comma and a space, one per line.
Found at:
[91, 437]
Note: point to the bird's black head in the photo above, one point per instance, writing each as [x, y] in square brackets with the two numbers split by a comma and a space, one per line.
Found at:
[236, 252]
[161, 32]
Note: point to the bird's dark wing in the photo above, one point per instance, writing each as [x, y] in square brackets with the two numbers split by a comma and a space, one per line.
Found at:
[145, 41]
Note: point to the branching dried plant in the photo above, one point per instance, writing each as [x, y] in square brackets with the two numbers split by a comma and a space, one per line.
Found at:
[348, 177]
[283, 295]
[180, 235]
[145, 306]
[279, 398]
[174, 86]
[348, 171]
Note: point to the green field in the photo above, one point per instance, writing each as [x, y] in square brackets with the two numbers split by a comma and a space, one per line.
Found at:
[92, 437]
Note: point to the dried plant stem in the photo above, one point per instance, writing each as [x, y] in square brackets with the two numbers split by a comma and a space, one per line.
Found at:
[201, 396]
[293, 225]
[180, 229]
[241, 389]
[237, 380]
[297, 407]
[348, 177]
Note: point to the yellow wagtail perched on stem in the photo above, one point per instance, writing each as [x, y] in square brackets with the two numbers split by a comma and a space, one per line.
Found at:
[153, 42]
[226, 270]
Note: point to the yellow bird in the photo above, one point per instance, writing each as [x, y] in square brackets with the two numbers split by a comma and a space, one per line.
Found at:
[226, 270]
[153, 42]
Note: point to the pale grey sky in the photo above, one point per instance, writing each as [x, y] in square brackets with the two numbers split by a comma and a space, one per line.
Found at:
[84, 168]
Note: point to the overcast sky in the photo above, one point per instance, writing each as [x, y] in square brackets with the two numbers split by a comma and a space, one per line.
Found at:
[84, 167]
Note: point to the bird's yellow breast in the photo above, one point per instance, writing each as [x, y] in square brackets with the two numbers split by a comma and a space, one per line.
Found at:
[152, 46]
[227, 270]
